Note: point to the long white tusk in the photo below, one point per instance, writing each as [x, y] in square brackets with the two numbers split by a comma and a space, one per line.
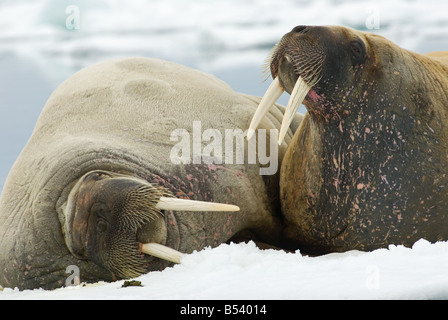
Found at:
[273, 93]
[298, 94]
[193, 205]
[162, 252]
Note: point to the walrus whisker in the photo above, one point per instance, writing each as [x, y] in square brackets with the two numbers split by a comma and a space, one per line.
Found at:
[148, 195]
[273, 93]
[298, 94]
[162, 252]
[166, 203]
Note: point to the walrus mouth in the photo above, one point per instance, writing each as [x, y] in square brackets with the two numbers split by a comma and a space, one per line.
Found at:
[289, 61]
[175, 204]
[140, 228]
[166, 253]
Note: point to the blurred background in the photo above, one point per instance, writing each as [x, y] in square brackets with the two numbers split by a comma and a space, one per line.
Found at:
[43, 42]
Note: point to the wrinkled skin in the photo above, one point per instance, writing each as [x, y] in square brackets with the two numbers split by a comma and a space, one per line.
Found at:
[103, 143]
[368, 165]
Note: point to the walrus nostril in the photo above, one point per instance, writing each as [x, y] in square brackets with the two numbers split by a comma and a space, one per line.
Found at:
[300, 29]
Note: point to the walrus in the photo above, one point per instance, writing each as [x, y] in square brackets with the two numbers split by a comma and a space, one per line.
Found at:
[103, 178]
[368, 165]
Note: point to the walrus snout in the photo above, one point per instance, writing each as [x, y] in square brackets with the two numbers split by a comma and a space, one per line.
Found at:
[296, 66]
[299, 53]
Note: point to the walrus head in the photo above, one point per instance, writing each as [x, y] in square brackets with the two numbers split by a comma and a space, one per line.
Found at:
[112, 219]
[310, 63]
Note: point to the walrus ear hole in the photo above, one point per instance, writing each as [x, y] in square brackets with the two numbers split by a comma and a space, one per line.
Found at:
[358, 50]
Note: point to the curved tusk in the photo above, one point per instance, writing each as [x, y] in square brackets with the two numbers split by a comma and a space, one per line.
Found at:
[298, 94]
[162, 252]
[273, 93]
[193, 205]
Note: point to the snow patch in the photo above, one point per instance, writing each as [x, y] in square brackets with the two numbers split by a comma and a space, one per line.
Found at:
[242, 271]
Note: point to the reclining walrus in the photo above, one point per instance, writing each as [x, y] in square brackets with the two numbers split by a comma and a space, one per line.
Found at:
[94, 186]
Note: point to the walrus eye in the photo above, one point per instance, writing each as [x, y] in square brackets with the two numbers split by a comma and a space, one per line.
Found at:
[99, 211]
[358, 50]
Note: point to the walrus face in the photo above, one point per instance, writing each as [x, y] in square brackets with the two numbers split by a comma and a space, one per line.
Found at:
[112, 219]
[318, 66]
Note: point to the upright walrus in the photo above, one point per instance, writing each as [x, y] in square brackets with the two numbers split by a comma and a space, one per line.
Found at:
[113, 146]
[368, 166]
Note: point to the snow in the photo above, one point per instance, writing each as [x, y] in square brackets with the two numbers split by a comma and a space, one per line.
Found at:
[244, 272]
